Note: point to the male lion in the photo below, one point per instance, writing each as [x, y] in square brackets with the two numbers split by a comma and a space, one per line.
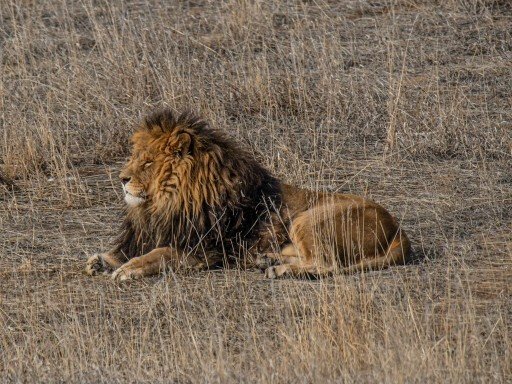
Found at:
[195, 200]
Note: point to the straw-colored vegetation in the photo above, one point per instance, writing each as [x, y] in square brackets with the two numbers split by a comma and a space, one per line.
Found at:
[407, 102]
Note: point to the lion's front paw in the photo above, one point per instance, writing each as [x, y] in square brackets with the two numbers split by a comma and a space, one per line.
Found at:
[263, 262]
[96, 265]
[128, 271]
[277, 271]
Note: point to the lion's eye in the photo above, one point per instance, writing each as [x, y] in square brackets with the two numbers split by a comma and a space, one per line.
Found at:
[147, 164]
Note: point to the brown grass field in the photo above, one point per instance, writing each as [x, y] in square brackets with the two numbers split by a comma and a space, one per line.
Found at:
[408, 102]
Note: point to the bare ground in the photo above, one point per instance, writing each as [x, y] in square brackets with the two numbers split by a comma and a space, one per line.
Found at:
[406, 102]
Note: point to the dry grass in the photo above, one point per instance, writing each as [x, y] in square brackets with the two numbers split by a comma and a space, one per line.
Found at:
[406, 101]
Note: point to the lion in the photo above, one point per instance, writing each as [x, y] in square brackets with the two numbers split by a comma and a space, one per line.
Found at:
[196, 200]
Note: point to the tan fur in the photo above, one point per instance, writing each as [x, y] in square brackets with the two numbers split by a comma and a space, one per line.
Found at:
[195, 200]
[337, 233]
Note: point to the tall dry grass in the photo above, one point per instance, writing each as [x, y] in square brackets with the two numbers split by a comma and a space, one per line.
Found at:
[407, 102]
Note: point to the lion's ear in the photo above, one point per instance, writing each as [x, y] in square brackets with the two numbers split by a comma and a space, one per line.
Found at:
[184, 145]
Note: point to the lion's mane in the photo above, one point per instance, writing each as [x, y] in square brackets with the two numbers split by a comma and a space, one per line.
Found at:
[215, 199]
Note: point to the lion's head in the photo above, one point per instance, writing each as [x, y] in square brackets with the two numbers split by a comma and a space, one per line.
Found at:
[187, 183]
[162, 153]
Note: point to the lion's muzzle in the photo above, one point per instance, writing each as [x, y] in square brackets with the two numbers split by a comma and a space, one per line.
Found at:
[133, 199]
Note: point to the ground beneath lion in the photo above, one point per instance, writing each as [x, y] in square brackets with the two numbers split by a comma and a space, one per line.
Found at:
[406, 102]
[450, 309]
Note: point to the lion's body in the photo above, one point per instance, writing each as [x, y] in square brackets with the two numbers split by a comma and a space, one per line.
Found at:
[195, 200]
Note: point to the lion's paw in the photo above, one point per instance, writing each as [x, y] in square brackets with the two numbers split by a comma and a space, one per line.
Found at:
[96, 265]
[263, 262]
[128, 271]
[277, 271]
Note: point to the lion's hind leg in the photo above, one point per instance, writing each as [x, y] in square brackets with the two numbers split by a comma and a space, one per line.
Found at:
[298, 270]
[396, 254]
[298, 259]
[287, 255]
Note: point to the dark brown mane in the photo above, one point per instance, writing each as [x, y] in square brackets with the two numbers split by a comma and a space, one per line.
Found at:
[166, 121]
[225, 194]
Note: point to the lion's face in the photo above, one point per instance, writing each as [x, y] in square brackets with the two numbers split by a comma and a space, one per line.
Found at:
[150, 170]
[136, 178]
[138, 175]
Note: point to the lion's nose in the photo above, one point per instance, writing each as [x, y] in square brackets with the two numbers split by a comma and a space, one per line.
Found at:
[125, 180]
